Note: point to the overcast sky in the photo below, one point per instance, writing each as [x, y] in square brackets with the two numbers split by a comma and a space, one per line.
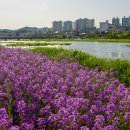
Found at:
[40, 13]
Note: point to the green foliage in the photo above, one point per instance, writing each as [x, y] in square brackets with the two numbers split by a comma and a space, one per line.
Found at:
[35, 44]
[86, 60]
[103, 40]
[86, 39]
[115, 35]
[110, 36]
[10, 102]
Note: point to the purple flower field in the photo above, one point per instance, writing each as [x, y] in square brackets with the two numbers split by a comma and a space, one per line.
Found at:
[39, 94]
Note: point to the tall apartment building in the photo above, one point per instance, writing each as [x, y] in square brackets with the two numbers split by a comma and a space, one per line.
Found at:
[104, 26]
[57, 26]
[82, 25]
[126, 21]
[116, 21]
[68, 26]
[91, 23]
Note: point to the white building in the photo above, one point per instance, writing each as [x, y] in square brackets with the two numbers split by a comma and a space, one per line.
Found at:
[104, 26]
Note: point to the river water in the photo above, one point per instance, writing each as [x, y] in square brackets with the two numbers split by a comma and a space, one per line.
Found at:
[103, 50]
[99, 49]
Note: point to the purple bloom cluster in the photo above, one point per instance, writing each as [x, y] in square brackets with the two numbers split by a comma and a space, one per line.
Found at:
[4, 119]
[39, 94]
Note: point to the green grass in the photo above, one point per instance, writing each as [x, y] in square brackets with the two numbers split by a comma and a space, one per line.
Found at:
[36, 44]
[86, 60]
[89, 40]
[107, 40]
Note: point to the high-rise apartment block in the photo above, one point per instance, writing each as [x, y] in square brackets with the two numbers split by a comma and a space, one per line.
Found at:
[116, 21]
[57, 26]
[104, 26]
[126, 21]
[82, 25]
[68, 26]
[91, 23]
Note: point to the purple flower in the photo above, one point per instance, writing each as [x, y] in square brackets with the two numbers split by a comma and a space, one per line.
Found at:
[4, 119]
[14, 128]
[42, 122]
[21, 106]
[99, 119]
[127, 116]
[94, 109]
[110, 127]
[84, 128]
[38, 93]
[99, 122]
[26, 126]
[128, 98]
[110, 108]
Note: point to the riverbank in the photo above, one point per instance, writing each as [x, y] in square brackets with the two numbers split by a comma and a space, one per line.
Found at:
[35, 44]
[89, 40]
[106, 40]
[72, 40]
[122, 67]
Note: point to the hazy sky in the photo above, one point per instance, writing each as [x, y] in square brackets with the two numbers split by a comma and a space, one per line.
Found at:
[40, 13]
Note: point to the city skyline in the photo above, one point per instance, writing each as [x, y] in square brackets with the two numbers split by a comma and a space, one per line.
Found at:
[123, 21]
[38, 13]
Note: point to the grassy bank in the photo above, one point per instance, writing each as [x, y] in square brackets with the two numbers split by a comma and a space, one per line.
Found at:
[107, 40]
[86, 60]
[89, 40]
[36, 44]
[74, 40]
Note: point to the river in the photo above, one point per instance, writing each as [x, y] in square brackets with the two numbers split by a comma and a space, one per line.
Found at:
[103, 50]
[99, 49]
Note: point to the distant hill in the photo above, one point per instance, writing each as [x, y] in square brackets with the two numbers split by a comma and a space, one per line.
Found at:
[6, 30]
[28, 29]
[25, 30]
